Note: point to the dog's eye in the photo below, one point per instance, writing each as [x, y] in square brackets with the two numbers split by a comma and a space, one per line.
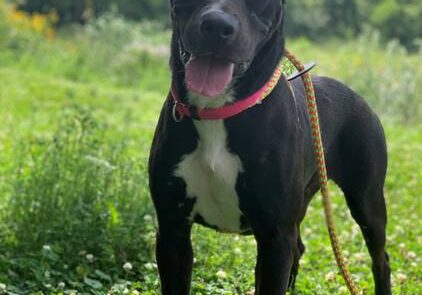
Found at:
[260, 6]
[179, 7]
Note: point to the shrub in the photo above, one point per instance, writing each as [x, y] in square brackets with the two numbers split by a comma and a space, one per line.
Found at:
[81, 10]
[122, 50]
[386, 75]
[399, 19]
[42, 24]
[78, 206]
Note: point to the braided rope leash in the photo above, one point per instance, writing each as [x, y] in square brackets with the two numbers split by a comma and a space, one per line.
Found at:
[322, 171]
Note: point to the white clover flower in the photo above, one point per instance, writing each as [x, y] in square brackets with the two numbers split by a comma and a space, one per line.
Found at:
[46, 247]
[401, 277]
[303, 261]
[237, 251]
[411, 255]
[330, 276]
[127, 266]
[150, 265]
[147, 217]
[221, 274]
[343, 290]
[399, 229]
[61, 285]
[89, 257]
[360, 256]
[2, 288]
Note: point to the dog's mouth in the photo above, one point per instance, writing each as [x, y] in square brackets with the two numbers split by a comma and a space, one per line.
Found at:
[208, 75]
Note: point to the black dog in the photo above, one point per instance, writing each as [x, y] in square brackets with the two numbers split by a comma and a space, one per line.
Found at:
[255, 172]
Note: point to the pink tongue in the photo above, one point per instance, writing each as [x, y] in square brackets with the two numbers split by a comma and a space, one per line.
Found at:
[208, 76]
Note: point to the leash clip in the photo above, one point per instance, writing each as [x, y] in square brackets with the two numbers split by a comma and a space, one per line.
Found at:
[308, 67]
[177, 117]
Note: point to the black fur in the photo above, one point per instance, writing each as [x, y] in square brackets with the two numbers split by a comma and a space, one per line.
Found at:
[273, 141]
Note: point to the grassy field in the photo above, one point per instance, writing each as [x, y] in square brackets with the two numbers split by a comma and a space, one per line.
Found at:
[77, 116]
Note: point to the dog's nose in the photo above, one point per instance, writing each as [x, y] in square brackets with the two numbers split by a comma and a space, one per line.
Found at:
[218, 26]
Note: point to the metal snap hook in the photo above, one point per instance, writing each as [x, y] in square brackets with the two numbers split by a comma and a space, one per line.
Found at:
[176, 117]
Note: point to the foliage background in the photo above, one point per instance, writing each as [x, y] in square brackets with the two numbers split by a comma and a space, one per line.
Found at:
[78, 106]
[401, 19]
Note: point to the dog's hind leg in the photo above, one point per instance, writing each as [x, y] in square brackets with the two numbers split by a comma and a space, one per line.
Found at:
[368, 209]
[360, 170]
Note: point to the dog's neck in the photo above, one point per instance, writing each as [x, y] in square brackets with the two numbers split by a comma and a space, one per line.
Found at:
[258, 73]
[262, 66]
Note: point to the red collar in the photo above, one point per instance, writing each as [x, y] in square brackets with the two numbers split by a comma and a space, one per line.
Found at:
[182, 110]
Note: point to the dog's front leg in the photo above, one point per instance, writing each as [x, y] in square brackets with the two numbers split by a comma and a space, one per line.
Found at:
[174, 257]
[275, 259]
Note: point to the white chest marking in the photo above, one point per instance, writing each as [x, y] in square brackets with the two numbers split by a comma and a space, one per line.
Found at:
[210, 173]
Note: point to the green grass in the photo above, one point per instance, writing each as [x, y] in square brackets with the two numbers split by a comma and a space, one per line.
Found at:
[75, 132]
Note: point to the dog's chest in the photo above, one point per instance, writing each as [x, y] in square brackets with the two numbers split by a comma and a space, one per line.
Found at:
[210, 173]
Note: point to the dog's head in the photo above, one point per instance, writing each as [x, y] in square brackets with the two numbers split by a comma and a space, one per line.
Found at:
[218, 39]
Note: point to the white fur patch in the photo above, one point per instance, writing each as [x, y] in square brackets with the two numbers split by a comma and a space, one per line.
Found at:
[210, 173]
[202, 102]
